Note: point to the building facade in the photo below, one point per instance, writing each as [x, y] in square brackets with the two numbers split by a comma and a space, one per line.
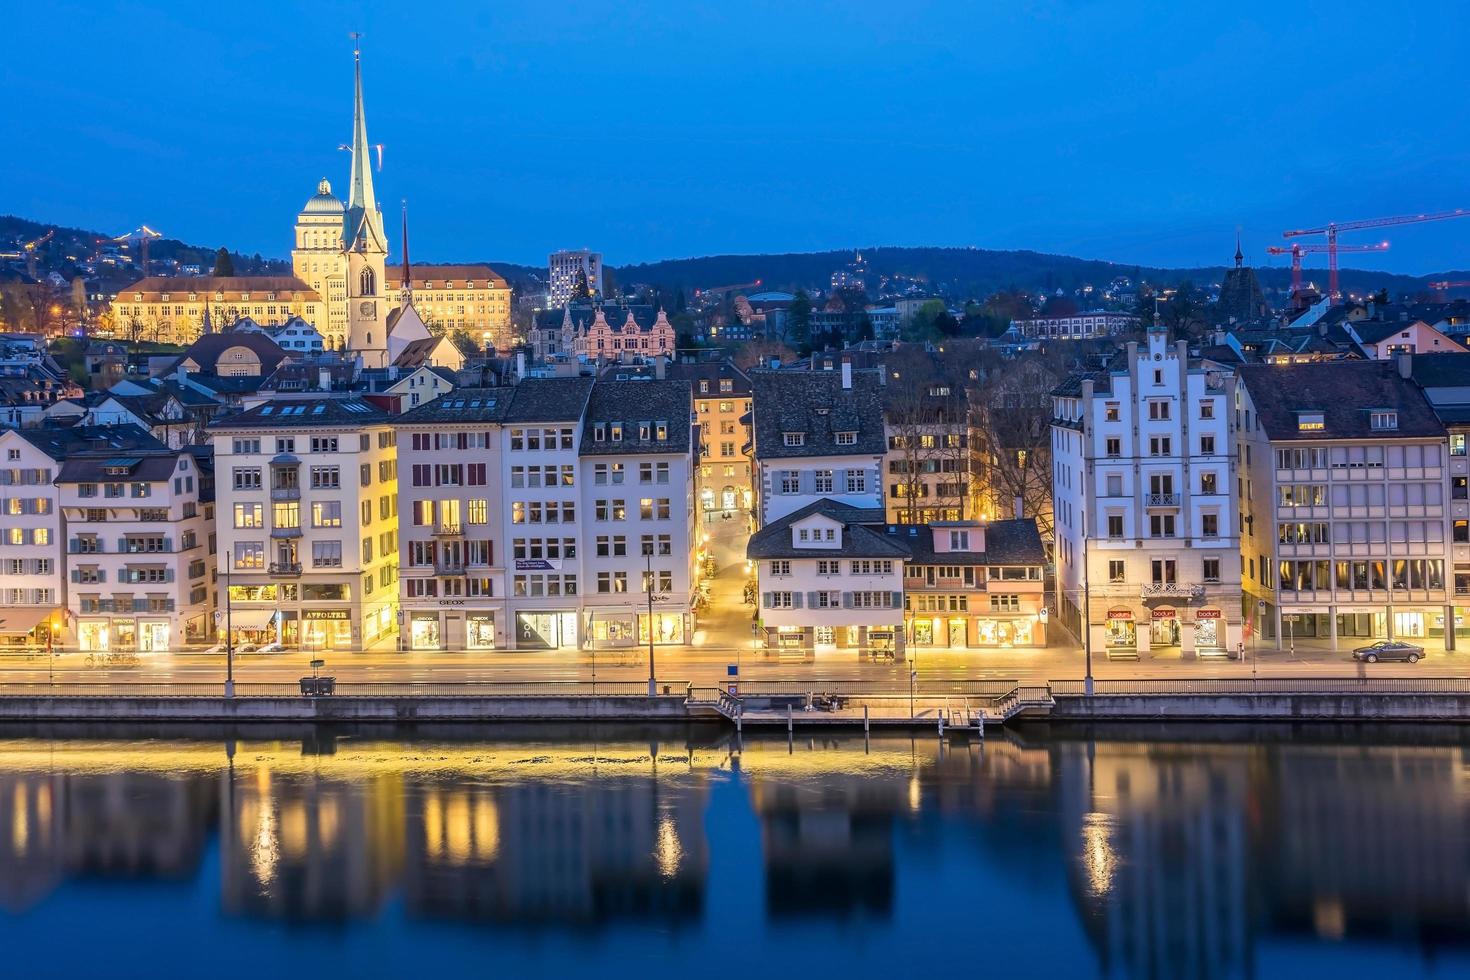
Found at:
[172, 310]
[566, 269]
[1078, 326]
[722, 408]
[472, 298]
[1353, 467]
[1146, 503]
[307, 493]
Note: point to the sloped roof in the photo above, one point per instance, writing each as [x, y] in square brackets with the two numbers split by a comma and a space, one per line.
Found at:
[815, 404]
[1345, 392]
[862, 534]
[208, 349]
[1013, 542]
[634, 402]
[306, 413]
[60, 443]
[232, 287]
[550, 400]
[464, 405]
[432, 277]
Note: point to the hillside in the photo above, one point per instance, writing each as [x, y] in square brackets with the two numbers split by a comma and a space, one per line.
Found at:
[966, 271]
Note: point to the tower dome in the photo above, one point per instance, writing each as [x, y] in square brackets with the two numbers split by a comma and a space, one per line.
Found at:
[323, 201]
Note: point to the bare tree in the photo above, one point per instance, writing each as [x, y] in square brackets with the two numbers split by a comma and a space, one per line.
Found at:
[1011, 418]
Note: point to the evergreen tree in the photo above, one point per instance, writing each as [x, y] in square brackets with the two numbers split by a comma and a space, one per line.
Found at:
[581, 291]
[224, 265]
[799, 320]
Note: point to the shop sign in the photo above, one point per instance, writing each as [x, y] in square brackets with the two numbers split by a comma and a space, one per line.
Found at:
[340, 615]
[1163, 613]
[537, 564]
[1207, 614]
[451, 602]
[1120, 613]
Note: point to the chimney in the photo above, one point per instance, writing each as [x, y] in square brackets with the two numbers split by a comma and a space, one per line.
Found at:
[520, 364]
[324, 379]
[846, 375]
[883, 374]
[1406, 365]
[1020, 508]
[1181, 348]
[658, 367]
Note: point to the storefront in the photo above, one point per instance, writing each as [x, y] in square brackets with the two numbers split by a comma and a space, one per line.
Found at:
[668, 628]
[28, 627]
[1209, 630]
[549, 630]
[479, 631]
[1016, 631]
[1122, 632]
[1165, 623]
[153, 635]
[326, 629]
[253, 626]
[424, 632]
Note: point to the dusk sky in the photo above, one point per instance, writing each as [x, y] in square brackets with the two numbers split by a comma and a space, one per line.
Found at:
[1134, 132]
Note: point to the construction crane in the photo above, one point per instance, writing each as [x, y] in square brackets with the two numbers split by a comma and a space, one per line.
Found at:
[1331, 230]
[32, 248]
[1440, 288]
[142, 234]
[1297, 249]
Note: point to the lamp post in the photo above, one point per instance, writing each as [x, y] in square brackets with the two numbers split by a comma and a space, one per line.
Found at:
[1087, 685]
[229, 642]
[648, 585]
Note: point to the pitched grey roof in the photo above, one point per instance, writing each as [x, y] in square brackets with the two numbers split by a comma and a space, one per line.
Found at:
[141, 467]
[549, 400]
[61, 443]
[305, 413]
[1442, 370]
[815, 404]
[464, 405]
[634, 404]
[206, 351]
[1013, 542]
[862, 535]
[1345, 392]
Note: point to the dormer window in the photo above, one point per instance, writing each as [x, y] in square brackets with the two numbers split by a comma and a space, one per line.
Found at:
[1381, 421]
[1310, 422]
[959, 540]
[794, 438]
[599, 433]
[616, 432]
[847, 438]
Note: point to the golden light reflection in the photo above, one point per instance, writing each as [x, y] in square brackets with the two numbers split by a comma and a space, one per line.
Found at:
[19, 821]
[487, 829]
[457, 827]
[433, 829]
[263, 845]
[1098, 856]
[1328, 918]
[916, 794]
[668, 851]
[293, 831]
[328, 820]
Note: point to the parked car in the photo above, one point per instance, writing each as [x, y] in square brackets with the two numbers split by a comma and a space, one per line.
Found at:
[1389, 650]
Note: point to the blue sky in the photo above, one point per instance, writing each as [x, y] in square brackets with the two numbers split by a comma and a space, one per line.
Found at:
[1139, 132]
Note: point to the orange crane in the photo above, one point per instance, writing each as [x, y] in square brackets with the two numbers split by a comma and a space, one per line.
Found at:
[1332, 228]
[1297, 249]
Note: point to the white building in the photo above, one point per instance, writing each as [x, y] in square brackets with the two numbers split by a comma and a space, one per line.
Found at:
[307, 492]
[818, 435]
[139, 536]
[1348, 477]
[1078, 326]
[565, 268]
[1146, 502]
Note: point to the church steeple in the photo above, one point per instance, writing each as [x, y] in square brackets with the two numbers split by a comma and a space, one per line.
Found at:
[1239, 255]
[363, 225]
[405, 288]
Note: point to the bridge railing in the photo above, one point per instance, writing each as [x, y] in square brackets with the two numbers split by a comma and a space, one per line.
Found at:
[1144, 687]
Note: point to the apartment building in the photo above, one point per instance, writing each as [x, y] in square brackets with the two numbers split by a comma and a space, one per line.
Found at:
[973, 585]
[1445, 381]
[722, 408]
[1146, 503]
[818, 435]
[927, 466]
[1078, 326]
[567, 270]
[307, 492]
[139, 536]
[637, 476]
[1347, 476]
[452, 496]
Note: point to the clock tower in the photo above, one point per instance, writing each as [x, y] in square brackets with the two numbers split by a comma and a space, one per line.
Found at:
[366, 247]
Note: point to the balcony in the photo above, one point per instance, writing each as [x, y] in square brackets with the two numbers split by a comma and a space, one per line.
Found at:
[448, 566]
[285, 569]
[286, 532]
[1161, 500]
[448, 530]
[285, 493]
[1172, 590]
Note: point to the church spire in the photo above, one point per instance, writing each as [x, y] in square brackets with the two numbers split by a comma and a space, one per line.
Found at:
[1239, 255]
[405, 288]
[364, 220]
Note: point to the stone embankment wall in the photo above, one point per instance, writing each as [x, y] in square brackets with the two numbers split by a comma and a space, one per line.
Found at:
[1264, 707]
[392, 710]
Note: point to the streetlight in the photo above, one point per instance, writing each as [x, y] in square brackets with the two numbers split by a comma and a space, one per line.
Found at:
[648, 586]
[1087, 685]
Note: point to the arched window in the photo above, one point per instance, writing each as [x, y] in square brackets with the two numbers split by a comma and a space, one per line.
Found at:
[369, 284]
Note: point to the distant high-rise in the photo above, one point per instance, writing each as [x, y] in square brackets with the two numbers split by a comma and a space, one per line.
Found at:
[567, 269]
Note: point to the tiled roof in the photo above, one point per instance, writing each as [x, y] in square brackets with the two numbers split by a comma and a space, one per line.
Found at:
[815, 404]
[862, 535]
[634, 403]
[550, 400]
[1014, 542]
[1441, 370]
[306, 413]
[141, 467]
[208, 349]
[464, 405]
[233, 287]
[1345, 392]
[433, 277]
[59, 443]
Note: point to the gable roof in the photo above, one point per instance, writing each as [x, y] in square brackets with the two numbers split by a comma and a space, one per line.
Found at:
[208, 349]
[312, 413]
[862, 534]
[1345, 393]
[464, 405]
[62, 442]
[815, 404]
[633, 402]
[550, 400]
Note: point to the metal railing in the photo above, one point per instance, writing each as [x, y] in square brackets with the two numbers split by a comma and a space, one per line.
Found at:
[1171, 590]
[289, 569]
[471, 689]
[1162, 500]
[1266, 685]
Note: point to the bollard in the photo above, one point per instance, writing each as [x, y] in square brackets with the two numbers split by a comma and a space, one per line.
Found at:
[865, 719]
[788, 719]
[941, 722]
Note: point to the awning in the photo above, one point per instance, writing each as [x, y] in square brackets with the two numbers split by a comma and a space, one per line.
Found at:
[22, 620]
[250, 619]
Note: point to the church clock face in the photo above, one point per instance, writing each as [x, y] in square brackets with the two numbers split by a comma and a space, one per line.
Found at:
[366, 309]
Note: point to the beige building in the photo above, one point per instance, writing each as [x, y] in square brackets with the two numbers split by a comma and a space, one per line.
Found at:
[317, 259]
[473, 298]
[172, 310]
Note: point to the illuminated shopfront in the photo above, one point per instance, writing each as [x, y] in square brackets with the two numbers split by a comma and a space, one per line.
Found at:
[94, 634]
[1165, 632]
[153, 635]
[479, 631]
[326, 629]
[423, 632]
[1209, 630]
[1018, 631]
[668, 628]
[546, 630]
[1122, 631]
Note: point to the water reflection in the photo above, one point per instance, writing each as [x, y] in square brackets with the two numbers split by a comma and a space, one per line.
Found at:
[1175, 858]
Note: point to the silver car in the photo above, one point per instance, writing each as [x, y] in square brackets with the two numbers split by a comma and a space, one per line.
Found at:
[1389, 650]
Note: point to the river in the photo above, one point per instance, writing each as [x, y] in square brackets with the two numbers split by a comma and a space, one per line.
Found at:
[1149, 852]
